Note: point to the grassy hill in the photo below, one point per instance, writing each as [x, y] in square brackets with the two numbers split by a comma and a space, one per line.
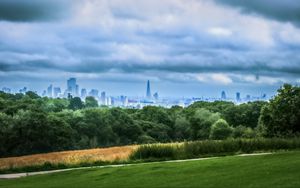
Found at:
[276, 170]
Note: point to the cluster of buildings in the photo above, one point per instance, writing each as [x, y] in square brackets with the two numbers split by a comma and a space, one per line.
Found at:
[73, 90]
[239, 99]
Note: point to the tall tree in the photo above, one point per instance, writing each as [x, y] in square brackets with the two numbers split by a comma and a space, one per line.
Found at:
[281, 117]
[91, 102]
[76, 103]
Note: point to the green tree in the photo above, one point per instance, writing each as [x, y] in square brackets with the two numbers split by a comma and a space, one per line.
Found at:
[32, 95]
[182, 128]
[243, 132]
[124, 126]
[76, 103]
[55, 105]
[201, 123]
[6, 123]
[91, 102]
[246, 114]
[220, 130]
[281, 117]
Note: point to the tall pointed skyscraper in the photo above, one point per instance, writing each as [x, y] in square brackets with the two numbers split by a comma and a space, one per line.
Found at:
[148, 94]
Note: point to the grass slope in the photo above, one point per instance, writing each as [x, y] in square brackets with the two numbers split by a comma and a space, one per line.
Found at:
[276, 170]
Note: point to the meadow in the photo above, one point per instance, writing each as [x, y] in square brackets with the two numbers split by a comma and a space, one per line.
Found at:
[273, 170]
[69, 158]
[144, 153]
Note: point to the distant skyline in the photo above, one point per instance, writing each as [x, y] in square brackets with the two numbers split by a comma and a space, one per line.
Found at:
[189, 48]
[137, 89]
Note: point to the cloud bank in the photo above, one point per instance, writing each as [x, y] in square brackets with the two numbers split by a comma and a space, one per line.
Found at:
[195, 41]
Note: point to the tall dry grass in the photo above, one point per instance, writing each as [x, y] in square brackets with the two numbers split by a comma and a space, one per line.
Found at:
[69, 157]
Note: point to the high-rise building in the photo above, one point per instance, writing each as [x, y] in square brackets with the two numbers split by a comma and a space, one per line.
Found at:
[238, 96]
[56, 92]
[124, 100]
[83, 93]
[155, 96]
[223, 95]
[77, 90]
[94, 93]
[112, 101]
[44, 94]
[72, 87]
[23, 90]
[108, 101]
[103, 98]
[50, 91]
[6, 89]
[148, 93]
[248, 97]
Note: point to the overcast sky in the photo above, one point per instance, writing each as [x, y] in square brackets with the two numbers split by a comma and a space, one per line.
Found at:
[184, 47]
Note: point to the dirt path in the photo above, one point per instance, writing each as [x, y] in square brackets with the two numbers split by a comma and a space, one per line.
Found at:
[19, 175]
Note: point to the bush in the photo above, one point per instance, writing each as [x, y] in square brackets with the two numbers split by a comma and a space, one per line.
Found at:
[243, 132]
[220, 130]
[155, 151]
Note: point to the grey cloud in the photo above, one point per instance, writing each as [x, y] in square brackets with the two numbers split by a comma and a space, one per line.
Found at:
[33, 10]
[281, 10]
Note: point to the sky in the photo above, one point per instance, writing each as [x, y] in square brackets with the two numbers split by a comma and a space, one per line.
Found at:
[184, 47]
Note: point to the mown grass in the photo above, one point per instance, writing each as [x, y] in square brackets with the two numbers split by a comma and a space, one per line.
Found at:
[212, 148]
[274, 170]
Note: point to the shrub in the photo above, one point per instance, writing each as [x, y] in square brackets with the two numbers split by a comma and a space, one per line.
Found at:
[155, 151]
[220, 130]
[243, 132]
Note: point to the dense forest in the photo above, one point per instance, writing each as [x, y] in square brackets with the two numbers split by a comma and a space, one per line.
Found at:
[31, 124]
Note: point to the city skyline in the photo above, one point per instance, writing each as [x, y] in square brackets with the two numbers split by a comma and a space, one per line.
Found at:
[192, 48]
[72, 87]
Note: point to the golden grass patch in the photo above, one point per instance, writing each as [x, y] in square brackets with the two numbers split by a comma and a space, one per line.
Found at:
[70, 157]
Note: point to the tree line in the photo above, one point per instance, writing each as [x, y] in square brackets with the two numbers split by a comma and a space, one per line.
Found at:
[32, 124]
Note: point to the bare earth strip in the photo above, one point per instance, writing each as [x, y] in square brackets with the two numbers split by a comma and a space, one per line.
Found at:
[19, 175]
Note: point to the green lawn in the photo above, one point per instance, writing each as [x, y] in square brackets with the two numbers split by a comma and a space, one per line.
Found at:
[276, 170]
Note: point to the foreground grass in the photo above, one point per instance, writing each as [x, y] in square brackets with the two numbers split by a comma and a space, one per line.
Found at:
[276, 170]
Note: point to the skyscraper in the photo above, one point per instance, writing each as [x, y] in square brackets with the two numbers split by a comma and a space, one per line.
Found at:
[50, 91]
[223, 95]
[103, 98]
[238, 96]
[83, 93]
[56, 92]
[155, 96]
[77, 90]
[6, 89]
[248, 97]
[148, 94]
[72, 87]
[94, 93]
[23, 90]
